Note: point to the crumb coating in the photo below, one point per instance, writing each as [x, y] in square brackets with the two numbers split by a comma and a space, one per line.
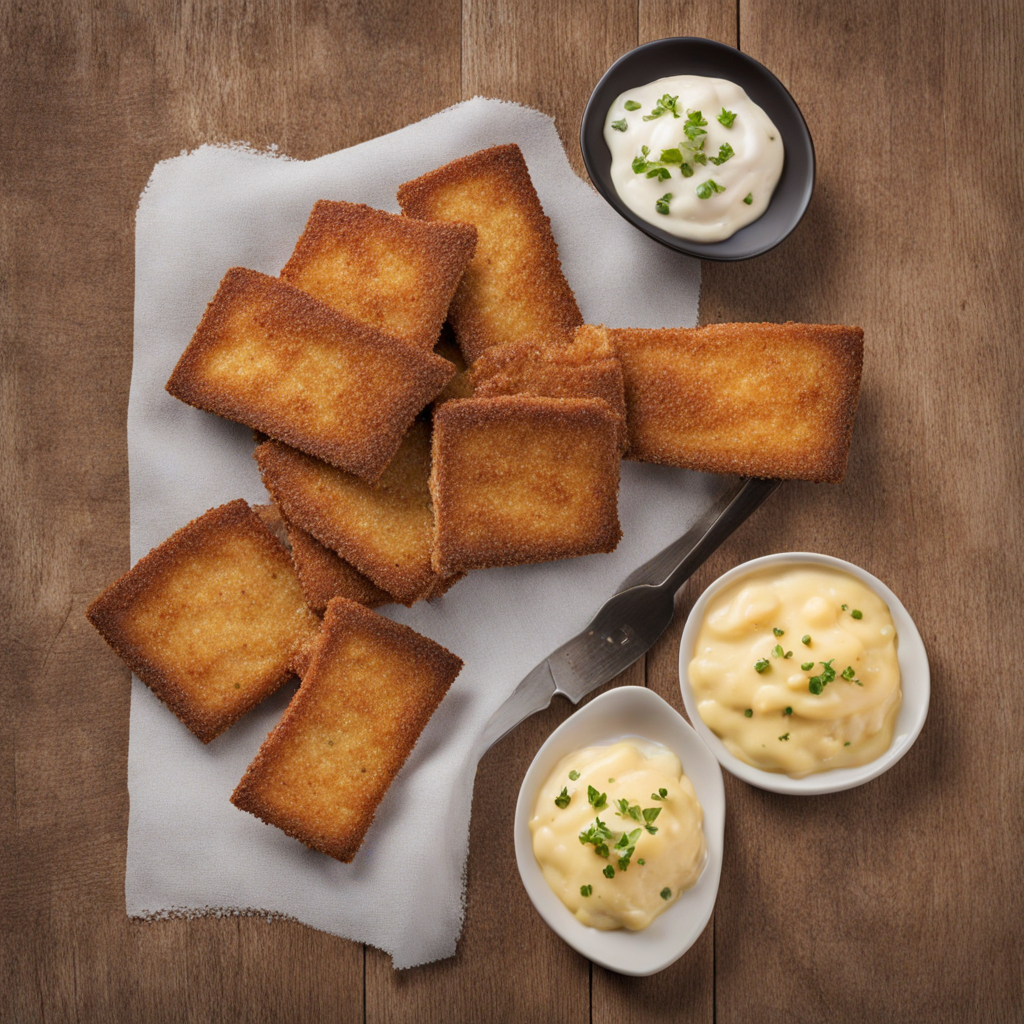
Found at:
[765, 400]
[371, 688]
[396, 273]
[523, 479]
[272, 357]
[382, 529]
[213, 619]
[514, 286]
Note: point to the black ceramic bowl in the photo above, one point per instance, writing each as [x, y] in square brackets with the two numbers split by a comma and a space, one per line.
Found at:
[691, 56]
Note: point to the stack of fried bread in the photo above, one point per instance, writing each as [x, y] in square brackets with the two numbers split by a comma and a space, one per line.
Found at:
[428, 401]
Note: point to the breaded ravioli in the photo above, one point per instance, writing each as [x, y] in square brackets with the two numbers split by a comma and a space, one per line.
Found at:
[514, 287]
[268, 355]
[569, 371]
[213, 620]
[767, 400]
[396, 273]
[371, 688]
[523, 479]
[382, 529]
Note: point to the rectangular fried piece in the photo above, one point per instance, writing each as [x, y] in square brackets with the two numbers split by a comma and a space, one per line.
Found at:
[514, 286]
[397, 274]
[523, 479]
[213, 619]
[570, 371]
[324, 769]
[268, 355]
[767, 400]
[382, 529]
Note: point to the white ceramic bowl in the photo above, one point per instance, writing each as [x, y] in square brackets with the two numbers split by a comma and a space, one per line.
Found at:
[619, 714]
[914, 673]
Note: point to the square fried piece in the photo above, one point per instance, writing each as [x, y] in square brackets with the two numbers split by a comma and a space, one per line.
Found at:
[268, 355]
[384, 529]
[767, 400]
[397, 274]
[562, 371]
[523, 479]
[213, 620]
[324, 769]
[514, 286]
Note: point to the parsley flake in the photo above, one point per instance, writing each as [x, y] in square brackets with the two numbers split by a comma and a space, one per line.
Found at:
[762, 665]
[666, 105]
[563, 798]
[778, 652]
[857, 613]
[806, 639]
[597, 800]
[660, 795]
[784, 736]
[807, 665]
[848, 672]
[726, 118]
[749, 713]
[574, 775]
[620, 126]
[706, 189]
[665, 893]
[586, 890]
[725, 152]
[609, 871]
[662, 204]
[788, 711]
[749, 199]
[631, 105]
[778, 632]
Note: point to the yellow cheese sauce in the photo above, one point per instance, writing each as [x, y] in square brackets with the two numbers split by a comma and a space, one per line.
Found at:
[618, 833]
[795, 670]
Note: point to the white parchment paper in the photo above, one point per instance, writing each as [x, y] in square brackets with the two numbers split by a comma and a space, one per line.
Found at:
[189, 849]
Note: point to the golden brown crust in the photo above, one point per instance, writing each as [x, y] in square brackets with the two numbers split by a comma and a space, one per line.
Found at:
[570, 371]
[384, 530]
[396, 273]
[268, 355]
[212, 620]
[514, 286]
[767, 400]
[523, 479]
[371, 688]
[324, 574]
[460, 385]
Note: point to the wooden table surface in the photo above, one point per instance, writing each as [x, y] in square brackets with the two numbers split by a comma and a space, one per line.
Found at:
[897, 901]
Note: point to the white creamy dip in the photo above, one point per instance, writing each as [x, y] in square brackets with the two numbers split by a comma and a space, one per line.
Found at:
[686, 124]
[618, 833]
[795, 670]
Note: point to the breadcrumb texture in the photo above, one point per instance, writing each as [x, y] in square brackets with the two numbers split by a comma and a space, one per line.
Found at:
[523, 479]
[213, 620]
[460, 386]
[577, 370]
[766, 400]
[514, 286]
[384, 530]
[268, 355]
[371, 688]
[396, 273]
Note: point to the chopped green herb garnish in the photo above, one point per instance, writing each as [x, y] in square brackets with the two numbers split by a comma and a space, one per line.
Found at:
[619, 126]
[788, 711]
[665, 893]
[749, 713]
[611, 780]
[662, 204]
[609, 871]
[631, 105]
[641, 862]
[706, 189]
[574, 775]
[847, 743]
[671, 156]
[597, 800]
[778, 632]
[815, 685]
[845, 606]
[828, 673]
[666, 105]
[695, 125]
[778, 652]
[724, 153]
[807, 665]
[857, 613]
[806, 639]
[726, 118]
[651, 814]
[686, 170]
[700, 158]
[660, 795]
[586, 890]
[848, 672]
[661, 173]
[762, 665]
[784, 736]
[563, 798]
[789, 654]
[749, 199]
[596, 835]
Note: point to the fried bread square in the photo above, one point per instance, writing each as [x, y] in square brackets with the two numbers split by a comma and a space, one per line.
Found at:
[396, 273]
[324, 769]
[382, 529]
[514, 286]
[766, 400]
[523, 479]
[213, 619]
[570, 371]
[268, 355]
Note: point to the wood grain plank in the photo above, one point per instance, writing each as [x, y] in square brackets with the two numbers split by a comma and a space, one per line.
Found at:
[91, 96]
[889, 902]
